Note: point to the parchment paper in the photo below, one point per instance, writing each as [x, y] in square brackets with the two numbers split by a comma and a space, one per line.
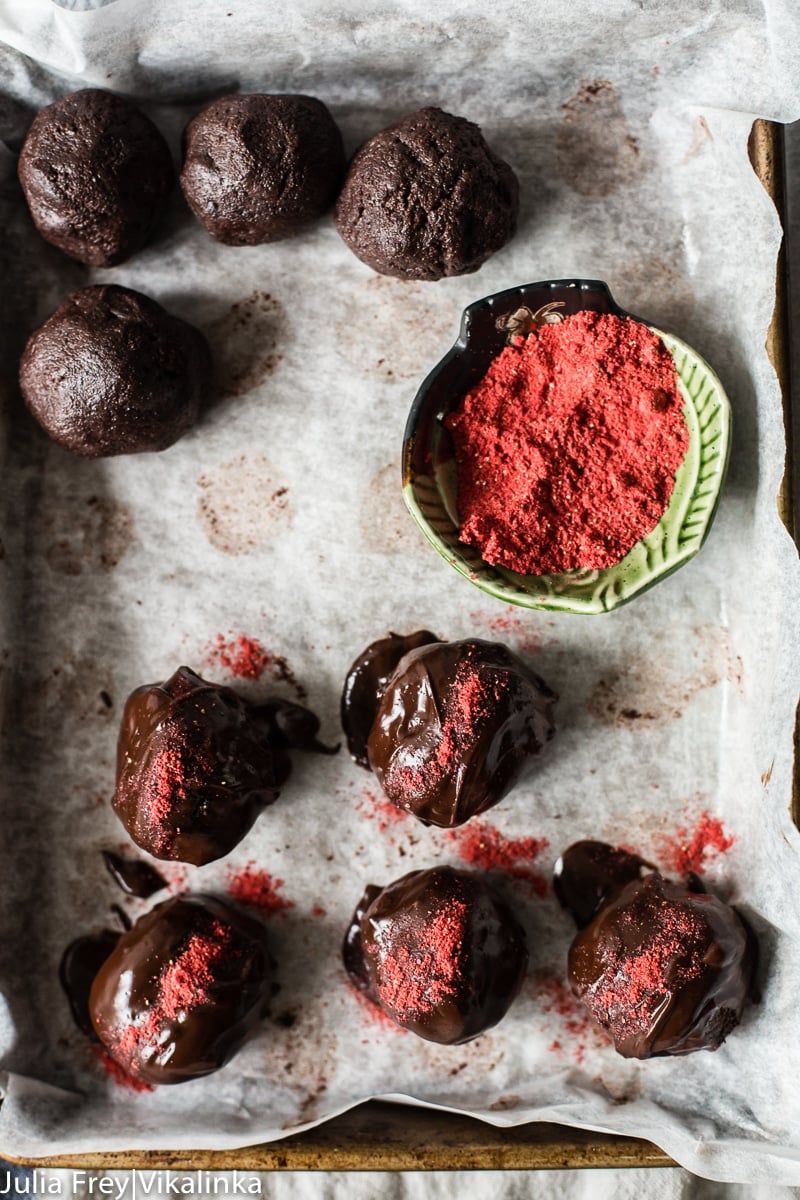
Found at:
[628, 130]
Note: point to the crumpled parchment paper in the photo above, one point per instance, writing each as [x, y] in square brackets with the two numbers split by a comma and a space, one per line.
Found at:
[280, 517]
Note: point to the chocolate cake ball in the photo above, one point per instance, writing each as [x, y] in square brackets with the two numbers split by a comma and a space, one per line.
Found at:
[96, 174]
[195, 767]
[456, 726]
[258, 168]
[365, 684]
[663, 969]
[439, 952]
[426, 198]
[111, 372]
[182, 990]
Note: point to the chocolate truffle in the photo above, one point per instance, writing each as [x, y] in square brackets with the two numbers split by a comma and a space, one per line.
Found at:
[195, 767]
[96, 174]
[259, 168]
[365, 684]
[110, 372]
[664, 970]
[439, 952]
[182, 990]
[457, 725]
[426, 198]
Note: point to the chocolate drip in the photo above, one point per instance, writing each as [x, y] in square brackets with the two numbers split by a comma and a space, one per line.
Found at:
[365, 684]
[180, 993]
[589, 874]
[79, 965]
[291, 726]
[135, 877]
[458, 724]
[353, 949]
[438, 951]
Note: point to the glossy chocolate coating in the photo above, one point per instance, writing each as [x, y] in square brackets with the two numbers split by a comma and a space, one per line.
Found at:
[664, 970]
[111, 372]
[258, 168]
[96, 174]
[134, 876]
[589, 874]
[434, 761]
[439, 952]
[182, 990]
[195, 767]
[365, 684]
[427, 198]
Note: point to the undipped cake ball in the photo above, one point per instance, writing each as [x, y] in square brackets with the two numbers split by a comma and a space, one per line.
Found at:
[427, 198]
[96, 174]
[111, 372]
[258, 168]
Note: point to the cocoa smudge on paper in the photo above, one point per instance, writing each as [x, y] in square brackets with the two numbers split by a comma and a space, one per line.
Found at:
[395, 328]
[243, 504]
[386, 524]
[88, 537]
[244, 343]
[651, 692]
[596, 153]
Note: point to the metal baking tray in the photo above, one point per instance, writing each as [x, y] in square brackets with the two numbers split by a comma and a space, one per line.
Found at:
[391, 1137]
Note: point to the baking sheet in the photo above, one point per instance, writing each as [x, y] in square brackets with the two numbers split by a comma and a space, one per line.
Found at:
[116, 571]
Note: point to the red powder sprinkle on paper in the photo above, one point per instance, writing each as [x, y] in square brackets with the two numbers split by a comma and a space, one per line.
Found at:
[482, 845]
[118, 1073]
[507, 624]
[693, 849]
[556, 998]
[418, 974]
[257, 889]
[177, 878]
[376, 808]
[247, 658]
[567, 448]
[243, 656]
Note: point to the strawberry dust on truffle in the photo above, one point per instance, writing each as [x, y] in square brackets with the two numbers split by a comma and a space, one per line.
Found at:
[567, 449]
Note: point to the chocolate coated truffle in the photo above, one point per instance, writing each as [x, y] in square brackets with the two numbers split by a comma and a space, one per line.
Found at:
[96, 174]
[439, 952]
[426, 198]
[365, 684]
[182, 990]
[195, 767]
[664, 970]
[457, 725]
[111, 372]
[258, 168]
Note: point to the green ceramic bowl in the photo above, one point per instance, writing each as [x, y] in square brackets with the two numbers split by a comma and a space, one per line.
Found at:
[430, 486]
